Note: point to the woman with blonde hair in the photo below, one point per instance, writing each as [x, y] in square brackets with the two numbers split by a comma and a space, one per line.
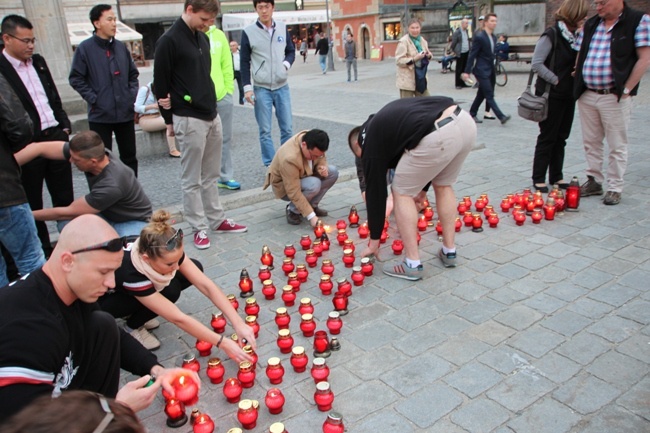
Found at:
[153, 274]
[412, 58]
[556, 45]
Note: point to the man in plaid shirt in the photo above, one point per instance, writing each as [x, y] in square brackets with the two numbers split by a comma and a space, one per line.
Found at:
[614, 55]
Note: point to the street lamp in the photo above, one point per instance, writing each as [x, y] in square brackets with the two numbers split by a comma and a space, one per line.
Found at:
[330, 52]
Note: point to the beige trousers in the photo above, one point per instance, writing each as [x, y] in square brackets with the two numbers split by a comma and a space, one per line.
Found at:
[603, 116]
[156, 123]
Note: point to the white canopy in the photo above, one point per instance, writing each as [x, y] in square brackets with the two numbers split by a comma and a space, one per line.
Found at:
[79, 32]
[231, 22]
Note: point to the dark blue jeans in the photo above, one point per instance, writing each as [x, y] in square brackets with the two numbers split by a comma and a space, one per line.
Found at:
[486, 92]
[18, 235]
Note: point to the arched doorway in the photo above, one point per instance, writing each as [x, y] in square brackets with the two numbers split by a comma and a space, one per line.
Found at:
[365, 38]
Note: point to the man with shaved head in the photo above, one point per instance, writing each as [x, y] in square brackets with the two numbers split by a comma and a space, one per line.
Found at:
[460, 45]
[54, 338]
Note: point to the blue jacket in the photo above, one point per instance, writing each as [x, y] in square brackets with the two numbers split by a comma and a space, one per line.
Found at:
[481, 56]
[104, 74]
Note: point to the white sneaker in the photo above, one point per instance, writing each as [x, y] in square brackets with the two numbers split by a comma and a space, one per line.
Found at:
[151, 324]
[145, 338]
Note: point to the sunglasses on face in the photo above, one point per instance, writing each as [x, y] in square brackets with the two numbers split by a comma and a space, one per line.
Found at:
[114, 245]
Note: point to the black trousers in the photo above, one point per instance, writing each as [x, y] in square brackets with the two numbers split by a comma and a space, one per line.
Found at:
[486, 92]
[125, 137]
[99, 367]
[240, 86]
[461, 63]
[121, 304]
[551, 141]
[58, 178]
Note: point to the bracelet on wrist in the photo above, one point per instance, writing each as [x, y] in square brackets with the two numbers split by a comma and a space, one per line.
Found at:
[219, 342]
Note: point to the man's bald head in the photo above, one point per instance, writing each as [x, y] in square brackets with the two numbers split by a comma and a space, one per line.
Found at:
[464, 23]
[83, 275]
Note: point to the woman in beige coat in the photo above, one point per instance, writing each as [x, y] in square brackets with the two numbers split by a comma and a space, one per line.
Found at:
[412, 55]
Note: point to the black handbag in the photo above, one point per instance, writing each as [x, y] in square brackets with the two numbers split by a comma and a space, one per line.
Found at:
[531, 106]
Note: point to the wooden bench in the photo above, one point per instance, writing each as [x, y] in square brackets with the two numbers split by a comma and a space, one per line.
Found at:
[521, 48]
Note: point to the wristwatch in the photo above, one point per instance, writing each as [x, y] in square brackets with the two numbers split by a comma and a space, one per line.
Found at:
[626, 91]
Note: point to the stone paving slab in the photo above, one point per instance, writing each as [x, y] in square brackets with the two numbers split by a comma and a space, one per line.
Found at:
[542, 328]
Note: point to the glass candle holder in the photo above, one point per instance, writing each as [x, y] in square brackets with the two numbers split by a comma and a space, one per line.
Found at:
[549, 210]
[317, 246]
[323, 397]
[325, 241]
[321, 345]
[246, 374]
[341, 236]
[282, 318]
[428, 213]
[477, 223]
[252, 308]
[299, 359]
[333, 423]
[334, 323]
[344, 286]
[307, 325]
[468, 218]
[422, 223]
[268, 290]
[325, 285]
[175, 411]
[363, 230]
[264, 273]
[462, 207]
[288, 296]
[247, 414]
[232, 390]
[233, 301]
[252, 322]
[302, 272]
[493, 220]
[311, 258]
[306, 306]
[353, 217]
[398, 247]
[327, 267]
[319, 229]
[319, 370]
[218, 323]
[274, 370]
[203, 424]
[458, 224]
[267, 257]
[573, 195]
[367, 267]
[348, 258]
[245, 284]
[284, 341]
[204, 347]
[305, 242]
[287, 265]
[357, 276]
[185, 389]
[293, 281]
[341, 225]
[289, 251]
[277, 427]
[340, 302]
[248, 350]
[190, 362]
[274, 401]
[215, 370]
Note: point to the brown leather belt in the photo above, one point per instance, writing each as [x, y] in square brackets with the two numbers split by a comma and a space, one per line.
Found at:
[603, 91]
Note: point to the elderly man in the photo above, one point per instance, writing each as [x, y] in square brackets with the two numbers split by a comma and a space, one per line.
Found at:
[299, 173]
[614, 55]
[115, 193]
[460, 46]
[54, 337]
[426, 140]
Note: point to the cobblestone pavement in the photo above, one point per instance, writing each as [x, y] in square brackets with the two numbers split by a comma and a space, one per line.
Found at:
[541, 328]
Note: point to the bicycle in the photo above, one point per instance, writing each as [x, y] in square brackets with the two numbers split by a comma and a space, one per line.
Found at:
[501, 73]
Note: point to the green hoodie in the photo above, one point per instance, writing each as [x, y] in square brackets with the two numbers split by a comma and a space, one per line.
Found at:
[221, 72]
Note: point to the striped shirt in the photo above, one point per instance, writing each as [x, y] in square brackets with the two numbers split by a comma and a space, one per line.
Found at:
[597, 68]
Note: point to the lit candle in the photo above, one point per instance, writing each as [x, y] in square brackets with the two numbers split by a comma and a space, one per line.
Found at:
[185, 389]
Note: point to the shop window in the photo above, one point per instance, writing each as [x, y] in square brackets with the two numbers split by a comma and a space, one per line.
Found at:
[392, 31]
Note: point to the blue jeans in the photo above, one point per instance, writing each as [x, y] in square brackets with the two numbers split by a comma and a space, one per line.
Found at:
[127, 228]
[18, 235]
[314, 188]
[322, 59]
[265, 100]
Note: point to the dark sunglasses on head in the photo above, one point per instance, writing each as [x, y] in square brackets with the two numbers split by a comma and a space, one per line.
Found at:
[173, 242]
[114, 245]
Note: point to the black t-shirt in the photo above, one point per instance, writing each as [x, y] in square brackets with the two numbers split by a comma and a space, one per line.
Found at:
[130, 281]
[398, 126]
[42, 342]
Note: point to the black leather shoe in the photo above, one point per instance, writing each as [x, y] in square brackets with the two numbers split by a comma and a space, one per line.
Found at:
[293, 218]
[505, 119]
[320, 212]
[477, 120]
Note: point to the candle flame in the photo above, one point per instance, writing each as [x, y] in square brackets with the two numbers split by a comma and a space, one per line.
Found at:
[327, 228]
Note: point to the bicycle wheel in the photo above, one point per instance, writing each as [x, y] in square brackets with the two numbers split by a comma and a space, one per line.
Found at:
[501, 75]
